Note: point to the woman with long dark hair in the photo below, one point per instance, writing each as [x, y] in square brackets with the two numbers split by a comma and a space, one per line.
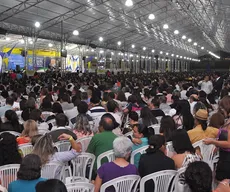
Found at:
[183, 115]
[167, 127]
[11, 122]
[147, 117]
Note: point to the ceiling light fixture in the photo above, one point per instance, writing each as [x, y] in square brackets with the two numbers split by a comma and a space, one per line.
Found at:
[50, 45]
[202, 48]
[189, 40]
[172, 55]
[184, 37]
[31, 42]
[92, 50]
[7, 38]
[129, 3]
[76, 32]
[133, 46]
[101, 39]
[144, 48]
[165, 26]
[176, 32]
[161, 52]
[37, 24]
[151, 16]
[195, 44]
[214, 55]
[153, 50]
[177, 55]
[112, 53]
[22, 41]
[119, 43]
[167, 53]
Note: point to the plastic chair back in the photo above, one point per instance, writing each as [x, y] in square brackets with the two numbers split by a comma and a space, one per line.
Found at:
[80, 187]
[108, 154]
[62, 146]
[84, 142]
[156, 128]
[82, 163]
[141, 151]
[127, 183]
[26, 149]
[169, 149]
[161, 179]
[8, 173]
[16, 134]
[52, 170]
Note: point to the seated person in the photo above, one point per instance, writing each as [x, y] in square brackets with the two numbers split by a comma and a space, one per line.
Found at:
[53, 185]
[122, 147]
[154, 107]
[61, 122]
[28, 176]
[202, 131]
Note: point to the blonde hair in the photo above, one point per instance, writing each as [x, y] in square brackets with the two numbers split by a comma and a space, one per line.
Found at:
[44, 148]
[30, 129]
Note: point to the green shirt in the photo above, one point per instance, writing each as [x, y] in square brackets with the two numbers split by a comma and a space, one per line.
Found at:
[101, 143]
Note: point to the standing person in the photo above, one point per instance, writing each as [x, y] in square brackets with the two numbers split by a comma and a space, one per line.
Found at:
[206, 85]
[217, 84]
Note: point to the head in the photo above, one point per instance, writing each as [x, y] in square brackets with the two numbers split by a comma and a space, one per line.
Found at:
[84, 96]
[167, 127]
[10, 101]
[30, 168]
[154, 103]
[106, 124]
[201, 118]
[82, 124]
[181, 142]
[94, 101]
[11, 116]
[61, 120]
[53, 185]
[65, 98]
[140, 131]
[156, 142]
[30, 103]
[162, 99]
[46, 103]
[147, 117]
[30, 128]
[122, 147]
[133, 117]
[216, 74]
[44, 148]
[197, 106]
[198, 177]
[57, 108]
[216, 120]
[206, 78]
[112, 106]
[121, 96]
[132, 99]
[82, 107]
[9, 150]
[224, 106]
[35, 115]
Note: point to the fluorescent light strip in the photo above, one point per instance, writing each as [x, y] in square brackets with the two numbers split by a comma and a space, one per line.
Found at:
[214, 55]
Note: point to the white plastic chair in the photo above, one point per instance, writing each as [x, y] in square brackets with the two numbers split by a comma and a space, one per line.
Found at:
[108, 154]
[46, 114]
[80, 187]
[161, 179]
[81, 163]
[84, 142]
[159, 119]
[8, 173]
[26, 149]
[169, 149]
[62, 145]
[141, 150]
[16, 134]
[51, 123]
[127, 183]
[207, 152]
[156, 128]
[74, 179]
[52, 170]
[179, 184]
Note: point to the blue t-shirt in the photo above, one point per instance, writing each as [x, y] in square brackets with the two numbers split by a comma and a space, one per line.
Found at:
[138, 156]
[23, 185]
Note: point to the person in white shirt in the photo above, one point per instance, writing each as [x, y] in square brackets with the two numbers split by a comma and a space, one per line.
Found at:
[206, 85]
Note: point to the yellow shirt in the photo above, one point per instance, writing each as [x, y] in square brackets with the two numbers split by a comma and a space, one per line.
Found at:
[197, 133]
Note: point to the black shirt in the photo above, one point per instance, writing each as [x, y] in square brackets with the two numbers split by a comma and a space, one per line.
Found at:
[158, 112]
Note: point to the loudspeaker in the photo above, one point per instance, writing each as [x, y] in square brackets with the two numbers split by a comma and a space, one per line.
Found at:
[18, 69]
[64, 53]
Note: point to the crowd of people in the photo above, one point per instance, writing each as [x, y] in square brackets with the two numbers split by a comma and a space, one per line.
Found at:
[119, 112]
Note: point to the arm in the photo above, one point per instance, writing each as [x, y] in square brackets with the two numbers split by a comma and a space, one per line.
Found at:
[200, 82]
[221, 144]
[98, 183]
[74, 145]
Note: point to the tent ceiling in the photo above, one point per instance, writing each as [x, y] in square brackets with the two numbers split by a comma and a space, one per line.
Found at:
[204, 21]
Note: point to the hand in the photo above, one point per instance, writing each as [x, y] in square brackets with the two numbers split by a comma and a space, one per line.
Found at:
[64, 137]
[208, 141]
[223, 186]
